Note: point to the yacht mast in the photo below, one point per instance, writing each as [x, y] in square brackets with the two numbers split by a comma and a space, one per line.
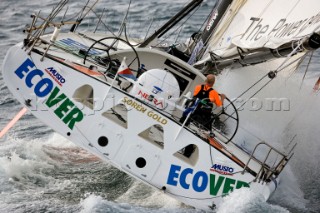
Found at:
[172, 22]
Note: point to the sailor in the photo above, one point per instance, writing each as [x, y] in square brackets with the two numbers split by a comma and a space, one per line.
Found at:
[205, 98]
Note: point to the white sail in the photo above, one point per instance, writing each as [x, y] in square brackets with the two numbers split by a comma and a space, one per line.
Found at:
[264, 24]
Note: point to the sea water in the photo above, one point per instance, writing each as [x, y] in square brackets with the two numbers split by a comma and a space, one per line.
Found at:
[40, 171]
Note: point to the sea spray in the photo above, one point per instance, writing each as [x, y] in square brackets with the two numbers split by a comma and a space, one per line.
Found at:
[246, 201]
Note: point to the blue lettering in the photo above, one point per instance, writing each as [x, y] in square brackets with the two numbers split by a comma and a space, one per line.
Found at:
[203, 185]
[47, 83]
[201, 180]
[25, 67]
[223, 168]
[183, 178]
[56, 74]
[51, 69]
[31, 75]
[43, 87]
[173, 175]
[216, 166]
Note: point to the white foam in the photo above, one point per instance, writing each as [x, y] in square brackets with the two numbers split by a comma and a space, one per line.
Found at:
[56, 140]
[300, 123]
[140, 194]
[244, 200]
[289, 192]
[16, 167]
[90, 203]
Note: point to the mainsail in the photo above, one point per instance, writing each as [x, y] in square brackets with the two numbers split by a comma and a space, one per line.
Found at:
[263, 25]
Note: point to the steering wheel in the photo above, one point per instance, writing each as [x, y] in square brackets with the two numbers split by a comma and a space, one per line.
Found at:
[107, 61]
[222, 118]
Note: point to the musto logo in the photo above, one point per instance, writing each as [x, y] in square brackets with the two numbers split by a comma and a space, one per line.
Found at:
[224, 170]
[42, 87]
[55, 75]
[200, 181]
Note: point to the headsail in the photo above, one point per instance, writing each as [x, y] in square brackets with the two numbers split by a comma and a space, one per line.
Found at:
[270, 24]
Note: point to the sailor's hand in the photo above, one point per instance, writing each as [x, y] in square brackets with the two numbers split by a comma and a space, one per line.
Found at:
[223, 96]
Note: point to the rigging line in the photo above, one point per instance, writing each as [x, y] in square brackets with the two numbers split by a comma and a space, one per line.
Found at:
[178, 27]
[90, 9]
[255, 93]
[280, 68]
[294, 51]
[307, 68]
[264, 9]
[64, 15]
[277, 71]
[51, 16]
[127, 39]
[208, 16]
[124, 21]
[105, 25]
[57, 10]
[292, 62]
[294, 69]
[126, 35]
[82, 16]
[73, 17]
[121, 29]
[45, 22]
[178, 35]
[251, 87]
[293, 8]
[246, 91]
[94, 12]
[150, 25]
[290, 142]
[132, 39]
[100, 18]
[86, 5]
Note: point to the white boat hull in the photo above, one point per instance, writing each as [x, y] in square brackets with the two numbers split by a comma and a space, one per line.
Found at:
[199, 181]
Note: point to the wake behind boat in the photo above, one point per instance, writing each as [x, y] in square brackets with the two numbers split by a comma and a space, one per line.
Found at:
[122, 100]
